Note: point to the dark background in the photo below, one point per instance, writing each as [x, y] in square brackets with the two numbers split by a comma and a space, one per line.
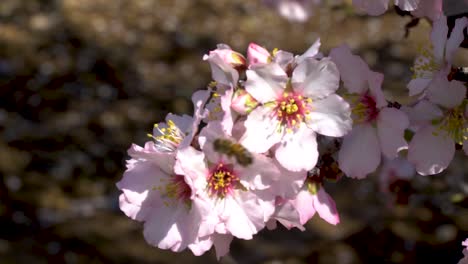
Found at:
[80, 80]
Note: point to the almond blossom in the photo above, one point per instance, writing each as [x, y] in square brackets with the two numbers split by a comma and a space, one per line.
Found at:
[178, 131]
[378, 129]
[437, 59]
[240, 202]
[293, 109]
[441, 121]
[154, 194]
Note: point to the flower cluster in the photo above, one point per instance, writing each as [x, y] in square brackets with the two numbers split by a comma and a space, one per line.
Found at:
[269, 131]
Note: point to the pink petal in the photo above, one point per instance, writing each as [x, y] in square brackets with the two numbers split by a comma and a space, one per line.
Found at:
[243, 215]
[261, 130]
[201, 245]
[172, 228]
[138, 182]
[289, 183]
[131, 210]
[259, 175]
[222, 244]
[429, 153]
[288, 215]
[305, 205]
[325, 206]
[424, 112]
[265, 82]
[362, 140]
[446, 93]
[353, 70]
[316, 79]
[283, 59]
[330, 116]
[191, 163]
[456, 38]
[391, 125]
[375, 88]
[298, 150]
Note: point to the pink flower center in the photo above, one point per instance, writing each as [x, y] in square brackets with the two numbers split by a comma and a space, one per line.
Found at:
[175, 190]
[365, 110]
[292, 109]
[222, 180]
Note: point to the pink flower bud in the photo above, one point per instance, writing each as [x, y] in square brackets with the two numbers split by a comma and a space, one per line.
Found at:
[231, 57]
[243, 102]
[257, 54]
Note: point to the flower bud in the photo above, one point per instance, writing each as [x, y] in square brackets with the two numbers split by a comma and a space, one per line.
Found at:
[235, 59]
[257, 54]
[242, 102]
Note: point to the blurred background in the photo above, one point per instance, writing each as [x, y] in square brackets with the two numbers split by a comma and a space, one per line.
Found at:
[81, 80]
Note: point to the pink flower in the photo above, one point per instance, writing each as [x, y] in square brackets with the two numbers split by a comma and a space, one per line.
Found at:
[155, 195]
[178, 131]
[378, 7]
[237, 191]
[377, 128]
[442, 121]
[293, 110]
[438, 58]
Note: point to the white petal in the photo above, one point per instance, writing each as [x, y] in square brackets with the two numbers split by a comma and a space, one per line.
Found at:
[430, 151]
[360, 152]
[265, 82]
[391, 125]
[407, 5]
[310, 53]
[418, 85]
[439, 38]
[316, 79]
[261, 130]
[456, 37]
[445, 93]
[298, 151]
[353, 70]
[221, 71]
[330, 116]
[305, 205]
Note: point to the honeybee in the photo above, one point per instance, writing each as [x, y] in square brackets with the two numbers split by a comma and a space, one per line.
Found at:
[232, 149]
